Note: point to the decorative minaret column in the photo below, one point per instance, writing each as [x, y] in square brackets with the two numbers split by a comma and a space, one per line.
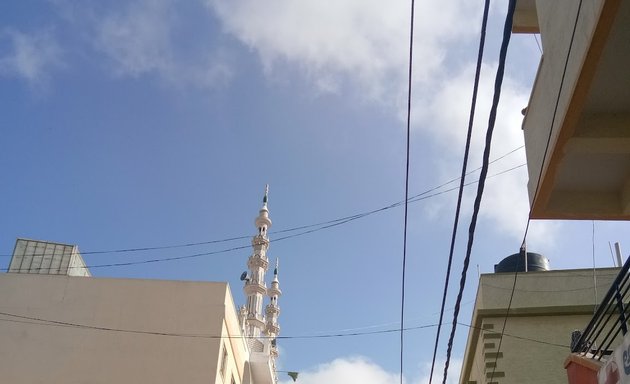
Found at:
[273, 311]
[255, 288]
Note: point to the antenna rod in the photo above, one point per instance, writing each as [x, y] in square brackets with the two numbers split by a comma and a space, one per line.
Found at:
[618, 252]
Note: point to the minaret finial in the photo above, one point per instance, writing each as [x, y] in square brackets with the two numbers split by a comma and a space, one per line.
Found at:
[275, 271]
[266, 197]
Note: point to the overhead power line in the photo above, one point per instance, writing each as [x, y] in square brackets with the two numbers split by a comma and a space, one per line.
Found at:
[471, 119]
[338, 221]
[540, 172]
[39, 321]
[33, 320]
[419, 197]
[507, 32]
[406, 201]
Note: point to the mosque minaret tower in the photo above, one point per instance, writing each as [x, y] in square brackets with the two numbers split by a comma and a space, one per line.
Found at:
[255, 324]
[273, 310]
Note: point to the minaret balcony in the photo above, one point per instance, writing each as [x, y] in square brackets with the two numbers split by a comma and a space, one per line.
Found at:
[260, 240]
[253, 288]
[256, 322]
[273, 329]
[272, 309]
[258, 261]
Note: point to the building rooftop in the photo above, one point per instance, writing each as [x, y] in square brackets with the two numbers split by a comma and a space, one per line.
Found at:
[47, 258]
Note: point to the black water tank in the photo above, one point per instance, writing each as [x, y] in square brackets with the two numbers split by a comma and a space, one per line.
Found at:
[516, 263]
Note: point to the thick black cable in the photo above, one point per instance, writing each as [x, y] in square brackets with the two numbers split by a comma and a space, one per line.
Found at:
[473, 104]
[507, 32]
[540, 172]
[404, 256]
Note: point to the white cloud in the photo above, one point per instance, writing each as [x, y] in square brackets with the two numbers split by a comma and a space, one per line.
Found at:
[346, 370]
[140, 40]
[444, 116]
[454, 369]
[361, 370]
[363, 42]
[30, 56]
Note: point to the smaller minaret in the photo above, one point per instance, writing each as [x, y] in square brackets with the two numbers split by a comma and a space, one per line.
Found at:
[273, 310]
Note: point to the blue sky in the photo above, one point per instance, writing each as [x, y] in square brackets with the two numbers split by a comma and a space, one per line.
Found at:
[152, 123]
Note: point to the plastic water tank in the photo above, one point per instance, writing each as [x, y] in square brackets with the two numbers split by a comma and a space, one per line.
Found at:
[516, 263]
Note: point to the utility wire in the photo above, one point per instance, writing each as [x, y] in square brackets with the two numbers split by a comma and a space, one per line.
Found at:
[489, 331]
[540, 172]
[482, 40]
[417, 198]
[482, 176]
[382, 325]
[32, 320]
[48, 322]
[404, 256]
[293, 229]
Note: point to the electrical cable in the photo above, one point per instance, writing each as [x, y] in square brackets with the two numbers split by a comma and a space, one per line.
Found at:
[293, 229]
[507, 31]
[391, 323]
[32, 320]
[471, 118]
[540, 172]
[489, 331]
[47, 322]
[589, 288]
[404, 255]
[419, 197]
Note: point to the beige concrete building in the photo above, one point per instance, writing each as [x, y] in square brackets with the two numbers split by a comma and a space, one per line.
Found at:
[58, 325]
[577, 132]
[576, 128]
[545, 308]
[64, 329]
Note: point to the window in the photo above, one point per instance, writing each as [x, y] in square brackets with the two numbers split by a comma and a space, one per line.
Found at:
[223, 363]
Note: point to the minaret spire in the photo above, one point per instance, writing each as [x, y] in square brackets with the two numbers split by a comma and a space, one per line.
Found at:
[255, 288]
[266, 197]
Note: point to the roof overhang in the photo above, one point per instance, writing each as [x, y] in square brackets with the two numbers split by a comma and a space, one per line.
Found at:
[577, 126]
[525, 17]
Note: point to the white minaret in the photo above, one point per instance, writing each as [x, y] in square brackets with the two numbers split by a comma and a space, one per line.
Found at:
[273, 310]
[255, 288]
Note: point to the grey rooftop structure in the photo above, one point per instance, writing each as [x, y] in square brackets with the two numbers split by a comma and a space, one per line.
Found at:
[47, 258]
